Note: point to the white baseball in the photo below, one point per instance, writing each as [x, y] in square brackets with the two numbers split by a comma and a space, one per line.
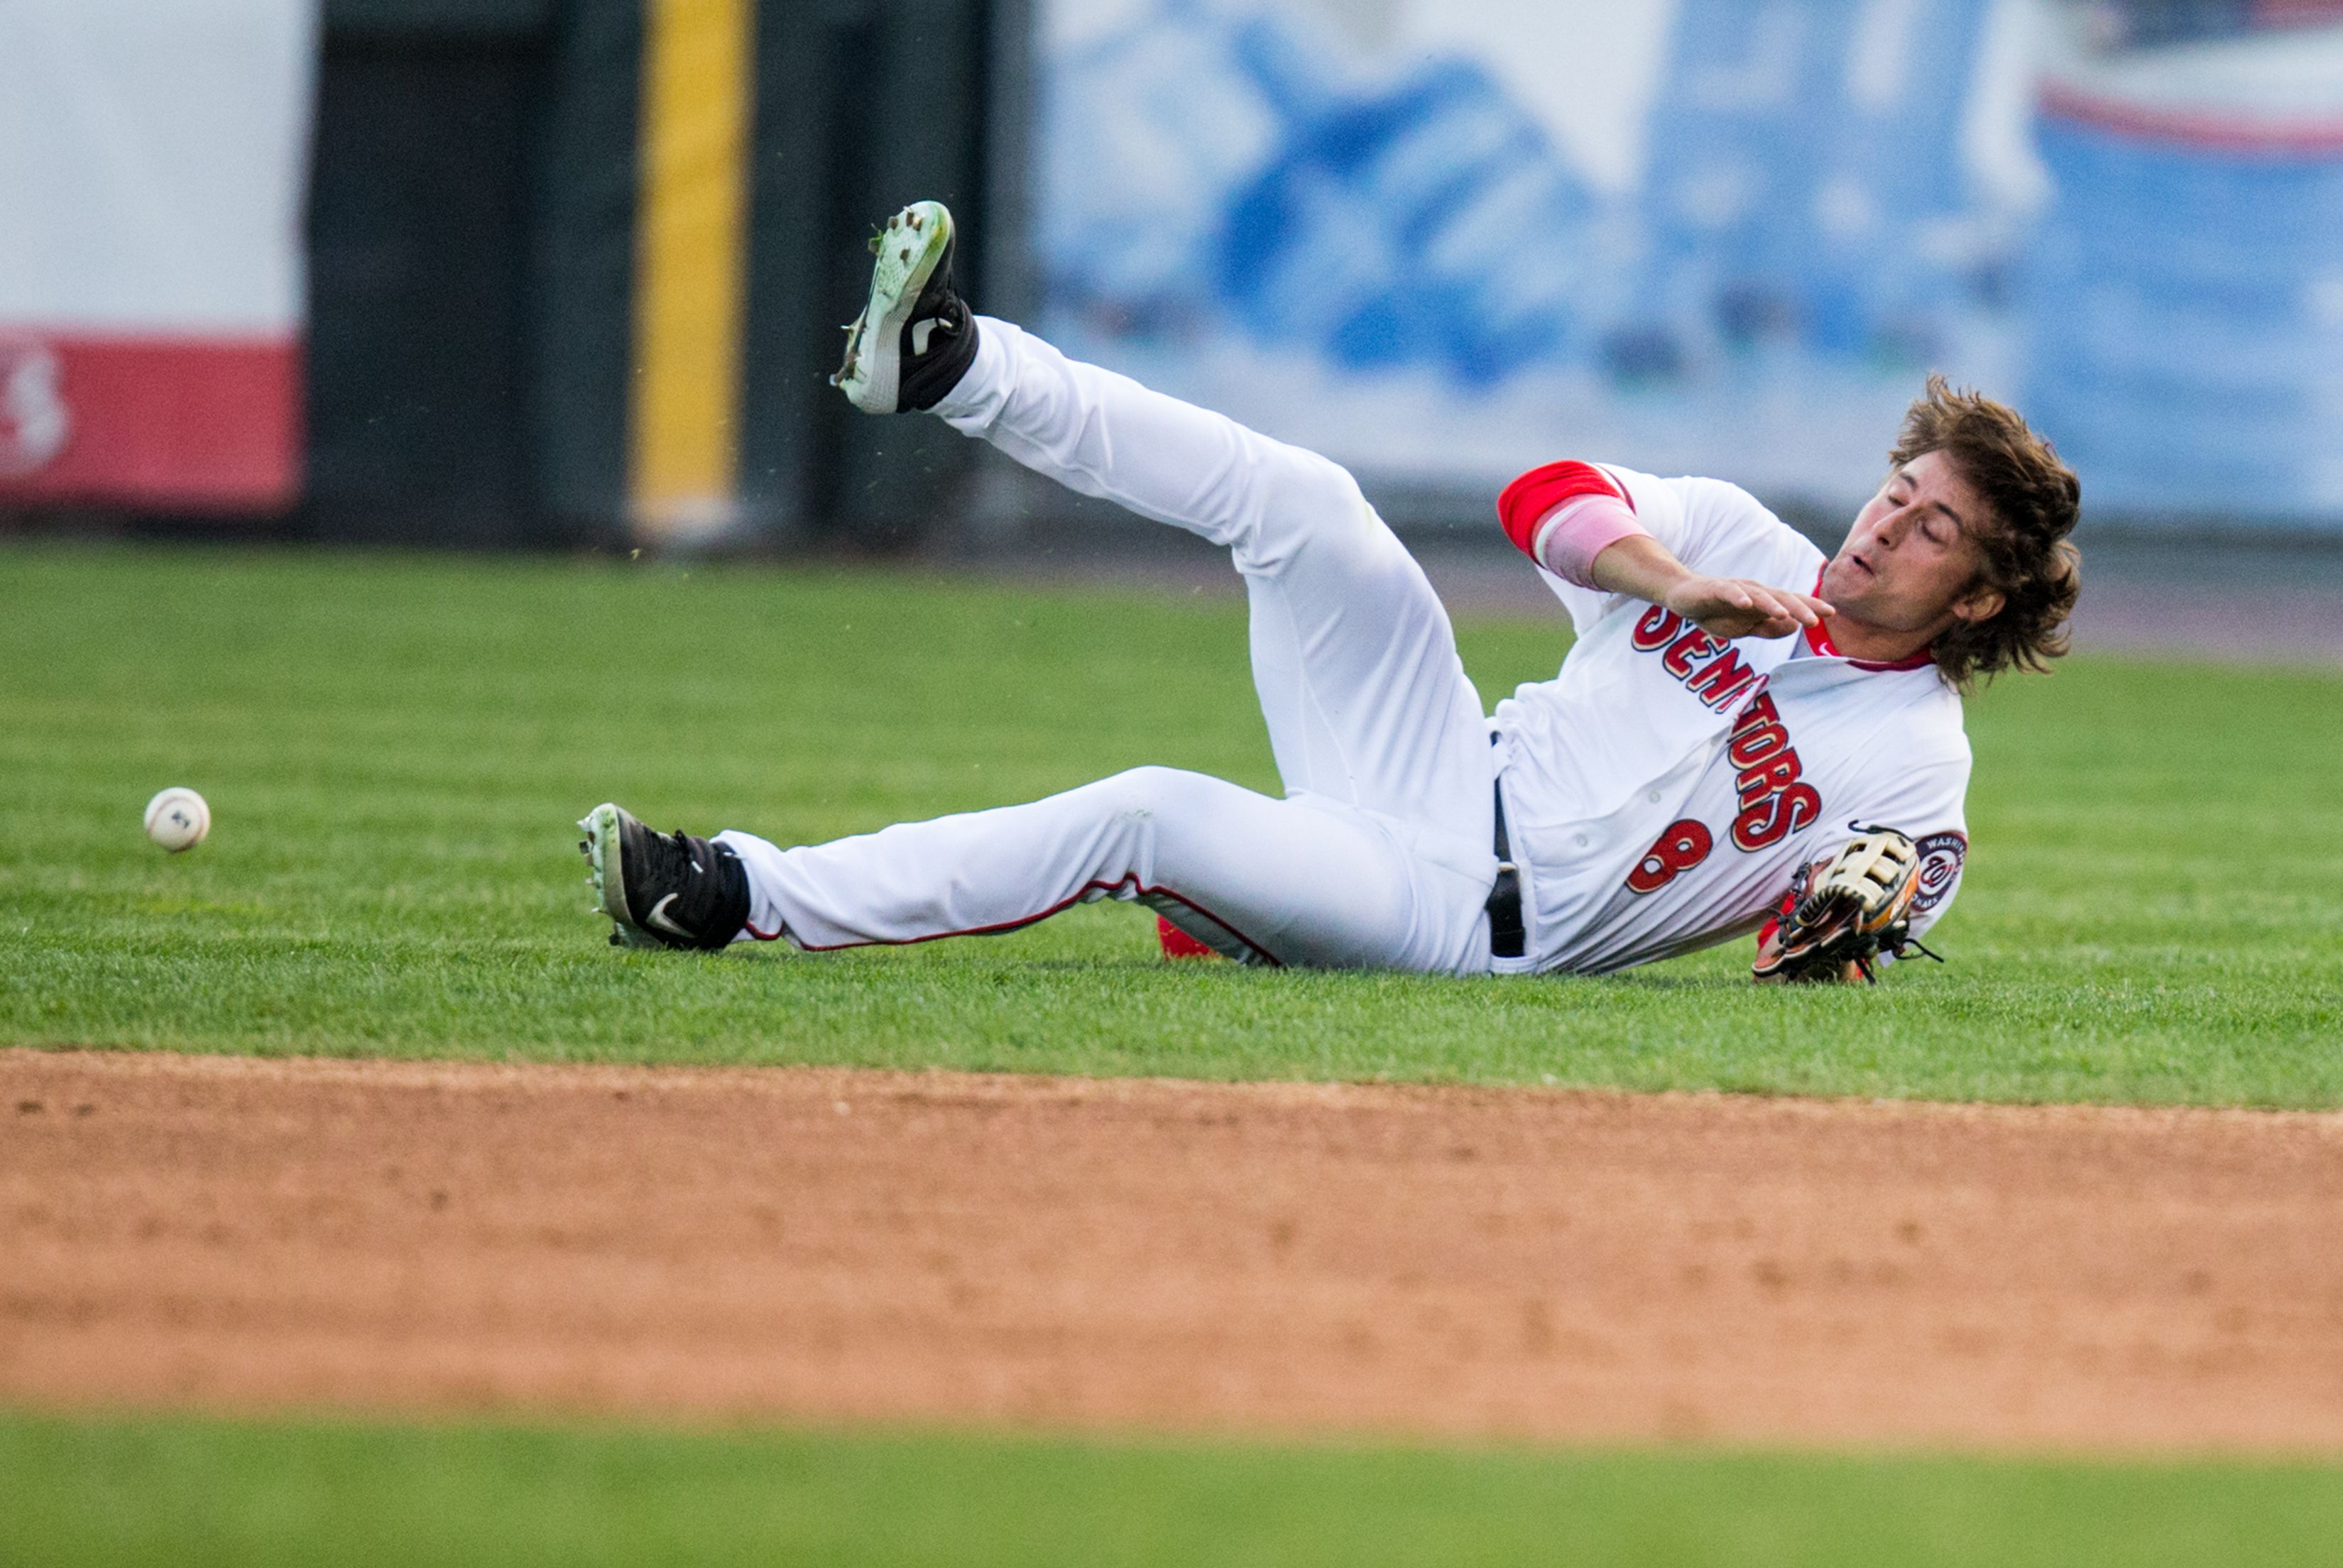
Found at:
[178, 818]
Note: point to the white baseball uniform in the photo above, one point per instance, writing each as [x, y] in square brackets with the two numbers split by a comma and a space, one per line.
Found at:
[1659, 792]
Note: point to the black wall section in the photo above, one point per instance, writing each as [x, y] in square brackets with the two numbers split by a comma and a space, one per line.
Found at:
[863, 106]
[583, 265]
[418, 238]
[444, 19]
[472, 241]
[471, 231]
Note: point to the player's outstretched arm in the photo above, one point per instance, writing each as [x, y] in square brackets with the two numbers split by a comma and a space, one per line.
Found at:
[1642, 568]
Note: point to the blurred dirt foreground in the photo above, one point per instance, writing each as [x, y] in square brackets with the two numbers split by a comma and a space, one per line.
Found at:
[809, 1244]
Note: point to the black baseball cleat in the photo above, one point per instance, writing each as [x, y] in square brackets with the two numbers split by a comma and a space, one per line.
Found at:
[915, 338]
[676, 891]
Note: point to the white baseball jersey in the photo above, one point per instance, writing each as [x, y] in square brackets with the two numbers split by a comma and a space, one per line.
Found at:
[1660, 790]
[1663, 787]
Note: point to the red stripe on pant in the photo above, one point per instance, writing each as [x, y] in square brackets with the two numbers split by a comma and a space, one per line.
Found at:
[1004, 927]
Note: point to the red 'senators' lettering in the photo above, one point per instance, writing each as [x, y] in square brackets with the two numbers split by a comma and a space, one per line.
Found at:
[1776, 817]
[1774, 802]
[1723, 679]
[1750, 747]
[1769, 777]
[1710, 669]
[1657, 628]
[1693, 645]
[1774, 799]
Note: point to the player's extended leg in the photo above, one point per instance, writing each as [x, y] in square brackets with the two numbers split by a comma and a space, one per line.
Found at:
[1261, 879]
[1353, 656]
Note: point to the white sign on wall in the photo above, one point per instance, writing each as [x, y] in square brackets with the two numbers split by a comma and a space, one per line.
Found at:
[153, 165]
[1442, 240]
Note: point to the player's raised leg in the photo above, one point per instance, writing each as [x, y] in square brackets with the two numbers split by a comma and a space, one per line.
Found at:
[915, 338]
[1353, 656]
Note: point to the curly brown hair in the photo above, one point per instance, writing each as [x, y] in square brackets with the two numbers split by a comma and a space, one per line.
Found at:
[2034, 499]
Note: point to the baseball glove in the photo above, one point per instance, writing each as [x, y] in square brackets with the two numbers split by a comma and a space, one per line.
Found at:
[1847, 910]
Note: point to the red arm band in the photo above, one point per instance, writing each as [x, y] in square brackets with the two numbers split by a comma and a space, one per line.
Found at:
[1541, 490]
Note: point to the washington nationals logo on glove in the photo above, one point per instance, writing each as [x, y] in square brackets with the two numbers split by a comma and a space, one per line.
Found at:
[1941, 855]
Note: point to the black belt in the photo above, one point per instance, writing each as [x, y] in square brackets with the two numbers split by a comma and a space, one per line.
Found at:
[1506, 937]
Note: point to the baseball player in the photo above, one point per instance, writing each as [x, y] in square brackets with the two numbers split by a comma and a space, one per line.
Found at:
[1745, 733]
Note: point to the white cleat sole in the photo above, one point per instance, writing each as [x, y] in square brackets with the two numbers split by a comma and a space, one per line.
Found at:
[601, 847]
[908, 251]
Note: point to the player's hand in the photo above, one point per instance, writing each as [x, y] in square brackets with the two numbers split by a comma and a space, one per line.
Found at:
[1736, 607]
[1769, 951]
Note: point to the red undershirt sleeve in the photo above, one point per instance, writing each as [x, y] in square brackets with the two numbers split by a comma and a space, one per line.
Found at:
[1562, 514]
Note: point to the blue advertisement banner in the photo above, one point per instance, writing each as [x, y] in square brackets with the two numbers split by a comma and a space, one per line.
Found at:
[1441, 241]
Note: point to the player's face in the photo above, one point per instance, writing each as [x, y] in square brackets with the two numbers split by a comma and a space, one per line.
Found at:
[1911, 563]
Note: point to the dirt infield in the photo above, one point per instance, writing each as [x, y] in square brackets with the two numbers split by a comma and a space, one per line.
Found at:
[815, 1243]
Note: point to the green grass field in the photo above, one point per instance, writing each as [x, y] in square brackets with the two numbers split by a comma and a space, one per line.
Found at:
[188, 1492]
[395, 750]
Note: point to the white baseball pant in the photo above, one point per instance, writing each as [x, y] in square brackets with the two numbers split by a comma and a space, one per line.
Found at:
[1379, 855]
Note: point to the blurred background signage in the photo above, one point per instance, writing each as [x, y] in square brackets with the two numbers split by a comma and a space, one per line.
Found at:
[555, 271]
[153, 159]
[1440, 241]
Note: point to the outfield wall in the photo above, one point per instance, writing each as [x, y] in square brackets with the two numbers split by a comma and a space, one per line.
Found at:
[152, 164]
[587, 259]
[1441, 242]
[542, 272]
[495, 272]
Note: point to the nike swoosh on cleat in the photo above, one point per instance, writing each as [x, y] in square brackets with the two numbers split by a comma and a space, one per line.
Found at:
[658, 919]
[921, 331]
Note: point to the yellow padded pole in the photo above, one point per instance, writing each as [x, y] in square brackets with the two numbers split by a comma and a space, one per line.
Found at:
[690, 260]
